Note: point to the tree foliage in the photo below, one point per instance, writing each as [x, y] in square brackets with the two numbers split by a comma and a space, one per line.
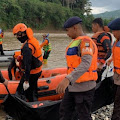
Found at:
[39, 14]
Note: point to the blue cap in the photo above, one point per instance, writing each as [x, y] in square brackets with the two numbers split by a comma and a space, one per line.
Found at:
[0, 31]
[115, 24]
[72, 21]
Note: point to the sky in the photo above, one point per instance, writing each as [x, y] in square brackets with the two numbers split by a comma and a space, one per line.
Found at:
[100, 6]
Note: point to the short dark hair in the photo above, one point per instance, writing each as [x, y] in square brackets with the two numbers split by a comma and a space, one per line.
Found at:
[99, 21]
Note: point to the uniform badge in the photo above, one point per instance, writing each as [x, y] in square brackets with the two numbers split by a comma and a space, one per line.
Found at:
[87, 44]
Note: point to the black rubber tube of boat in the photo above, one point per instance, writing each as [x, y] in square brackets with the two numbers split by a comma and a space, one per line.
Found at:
[42, 88]
[7, 89]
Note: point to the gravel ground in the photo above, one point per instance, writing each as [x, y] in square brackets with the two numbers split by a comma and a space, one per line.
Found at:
[104, 113]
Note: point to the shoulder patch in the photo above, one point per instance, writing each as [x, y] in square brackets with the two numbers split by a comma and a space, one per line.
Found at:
[86, 42]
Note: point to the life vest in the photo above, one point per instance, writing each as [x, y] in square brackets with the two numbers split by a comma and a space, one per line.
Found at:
[16, 54]
[1, 41]
[76, 49]
[37, 58]
[14, 70]
[116, 56]
[107, 31]
[47, 47]
[98, 38]
[1, 36]
[17, 73]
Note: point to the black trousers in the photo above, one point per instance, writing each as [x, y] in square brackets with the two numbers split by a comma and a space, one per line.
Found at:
[31, 93]
[46, 54]
[116, 110]
[1, 49]
[81, 102]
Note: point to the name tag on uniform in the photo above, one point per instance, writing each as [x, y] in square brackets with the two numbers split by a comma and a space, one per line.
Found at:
[84, 50]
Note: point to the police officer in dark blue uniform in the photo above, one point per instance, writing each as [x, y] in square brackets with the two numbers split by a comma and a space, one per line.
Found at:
[78, 95]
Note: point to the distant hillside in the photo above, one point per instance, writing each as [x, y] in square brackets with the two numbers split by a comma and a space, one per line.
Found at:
[108, 15]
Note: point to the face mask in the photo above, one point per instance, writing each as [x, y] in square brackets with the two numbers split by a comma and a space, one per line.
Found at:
[23, 39]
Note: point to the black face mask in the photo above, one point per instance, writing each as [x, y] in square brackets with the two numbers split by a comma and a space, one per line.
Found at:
[23, 39]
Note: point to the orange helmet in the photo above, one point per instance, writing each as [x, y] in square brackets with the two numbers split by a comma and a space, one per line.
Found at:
[20, 27]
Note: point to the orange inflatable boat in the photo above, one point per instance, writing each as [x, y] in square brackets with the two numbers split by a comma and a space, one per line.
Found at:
[45, 72]
[46, 85]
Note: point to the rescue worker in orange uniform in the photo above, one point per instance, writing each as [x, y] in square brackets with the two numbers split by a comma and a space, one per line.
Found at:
[46, 47]
[103, 41]
[14, 70]
[31, 62]
[1, 41]
[79, 84]
[115, 27]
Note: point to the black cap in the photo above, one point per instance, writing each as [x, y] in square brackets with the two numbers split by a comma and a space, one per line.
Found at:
[72, 21]
[115, 24]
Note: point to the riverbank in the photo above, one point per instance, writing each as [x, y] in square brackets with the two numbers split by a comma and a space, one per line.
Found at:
[51, 29]
[104, 113]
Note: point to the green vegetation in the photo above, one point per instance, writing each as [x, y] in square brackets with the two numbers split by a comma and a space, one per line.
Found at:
[109, 15]
[39, 14]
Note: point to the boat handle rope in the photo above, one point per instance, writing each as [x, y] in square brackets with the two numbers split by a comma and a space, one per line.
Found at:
[7, 89]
